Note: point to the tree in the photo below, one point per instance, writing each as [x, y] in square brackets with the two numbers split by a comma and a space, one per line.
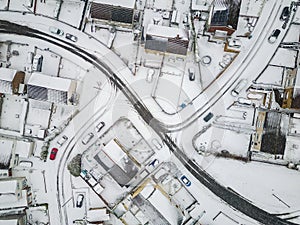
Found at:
[74, 166]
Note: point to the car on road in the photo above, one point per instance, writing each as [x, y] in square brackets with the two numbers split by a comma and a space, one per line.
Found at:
[239, 87]
[79, 201]
[62, 140]
[208, 117]
[71, 37]
[185, 180]
[100, 126]
[55, 30]
[285, 13]
[273, 37]
[87, 138]
[53, 153]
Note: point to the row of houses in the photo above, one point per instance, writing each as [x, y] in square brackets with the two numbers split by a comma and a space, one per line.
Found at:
[39, 86]
[223, 17]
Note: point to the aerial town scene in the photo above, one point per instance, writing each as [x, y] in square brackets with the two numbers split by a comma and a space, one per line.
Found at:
[149, 112]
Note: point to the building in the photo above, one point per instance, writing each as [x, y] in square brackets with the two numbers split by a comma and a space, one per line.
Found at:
[223, 16]
[14, 194]
[296, 91]
[11, 81]
[167, 39]
[52, 89]
[118, 11]
[97, 215]
[114, 160]
[201, 5]
[13, 220]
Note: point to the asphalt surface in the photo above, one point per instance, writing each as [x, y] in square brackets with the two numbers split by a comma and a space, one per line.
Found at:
[232, 198]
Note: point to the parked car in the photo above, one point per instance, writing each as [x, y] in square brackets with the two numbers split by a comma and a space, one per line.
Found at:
[273, 37]
[30, 57]
[239, 87]
[208, 117]
[100, 126]
[185, 180]
[57, 31]
[234, 43]
[154, 163]
[87, 138]
[53, 153]
[79, 201]
[157, 144]
[62, 140]
[150, 74]
[71, 37]
[285, 13]
[191, 72]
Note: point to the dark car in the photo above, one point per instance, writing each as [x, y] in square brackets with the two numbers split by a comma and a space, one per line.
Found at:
[285, 13]
[71, 37]
[185, 180]
[273, 37]
[208, 117]
[79, 201]
[53, 153]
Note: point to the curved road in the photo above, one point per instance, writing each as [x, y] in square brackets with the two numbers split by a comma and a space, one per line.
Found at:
[233, 199]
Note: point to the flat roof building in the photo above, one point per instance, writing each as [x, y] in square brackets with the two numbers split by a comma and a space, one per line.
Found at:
[11, 80]
[167, 39]
[52, 89]
[120, 11]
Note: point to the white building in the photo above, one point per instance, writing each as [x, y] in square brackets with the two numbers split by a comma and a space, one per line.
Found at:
[13, 193]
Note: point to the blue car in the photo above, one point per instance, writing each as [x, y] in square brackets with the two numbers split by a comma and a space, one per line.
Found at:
[185, 180]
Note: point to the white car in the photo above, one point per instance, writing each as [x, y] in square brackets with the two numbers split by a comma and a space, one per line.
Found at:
[239, 87]
[150, 74]
[62, 140]
[87, 138]
[57, 31]
[273, 37]
[100, 126]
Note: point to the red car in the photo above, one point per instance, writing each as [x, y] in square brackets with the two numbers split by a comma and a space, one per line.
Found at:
[53, 153]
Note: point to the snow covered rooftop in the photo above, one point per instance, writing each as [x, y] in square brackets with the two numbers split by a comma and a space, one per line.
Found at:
[168, 32]
[114, 151]
[164, 206]
[7, 74]
[11, 201]
[123, 3]
[9, 222]
[201, 5]
[23, 148]
[95, 215]
[8, 186]
[5, 153]
[55, 83]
